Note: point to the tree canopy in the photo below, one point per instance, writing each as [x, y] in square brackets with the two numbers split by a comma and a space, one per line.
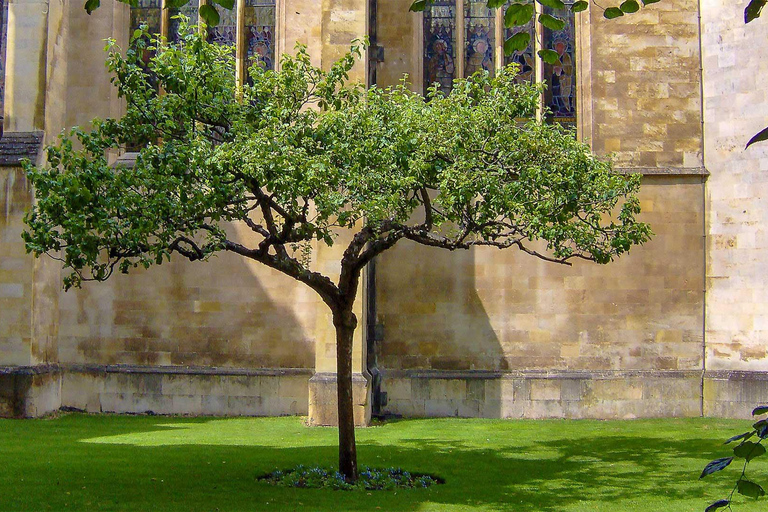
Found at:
[298, 156]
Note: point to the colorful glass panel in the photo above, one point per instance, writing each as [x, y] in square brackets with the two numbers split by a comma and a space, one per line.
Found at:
[149, 13]
[560, 96]
[190, 11]
[527, 58]
[440, 45]
[260, 33]
[479, 37]
[226, 31]
[146, 12]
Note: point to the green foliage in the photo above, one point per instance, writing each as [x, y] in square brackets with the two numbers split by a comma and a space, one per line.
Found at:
[300, 153]
[747, 450]
[371, 479]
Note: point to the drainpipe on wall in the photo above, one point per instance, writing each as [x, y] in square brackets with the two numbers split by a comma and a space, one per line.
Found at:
[705, 213]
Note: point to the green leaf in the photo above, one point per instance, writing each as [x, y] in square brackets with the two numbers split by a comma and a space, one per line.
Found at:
[580, 5]
[749, 450]
[227, 4]
[613, 12]
[745, 435]
[753, 10]
[549, 56]
[716, 465]
[649, 2]
[495, 4]
[518, 14]
[760, 137]
[551, 22]
[629, 6]
[750, 489]
[716, 505]
[517, 43]
[92, 5]
[552, 4]
[760, 409]
[418, 6]
[210, 15]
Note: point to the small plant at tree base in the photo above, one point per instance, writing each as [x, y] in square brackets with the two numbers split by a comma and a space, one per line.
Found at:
[301, 158]
[750, 447]
[370, 479]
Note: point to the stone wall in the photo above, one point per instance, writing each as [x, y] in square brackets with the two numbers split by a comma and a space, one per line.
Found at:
[645, 90]
[547, 394]
[16, 269]
[184, 390]
[479, 333]
[735, 108]
[510, 313]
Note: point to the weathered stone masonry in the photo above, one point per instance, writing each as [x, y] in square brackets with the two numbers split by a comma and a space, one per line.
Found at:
[677, 328]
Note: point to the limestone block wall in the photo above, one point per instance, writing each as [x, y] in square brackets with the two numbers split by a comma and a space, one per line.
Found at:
[194, 391]
[16, 270]
[735, 108]
[491, 311]
[645, 86]
[569, 394]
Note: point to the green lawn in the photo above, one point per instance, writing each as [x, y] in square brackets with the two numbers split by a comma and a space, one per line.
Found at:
[152, 463]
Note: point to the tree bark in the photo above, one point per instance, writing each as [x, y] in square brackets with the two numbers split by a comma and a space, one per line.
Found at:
[345, 323]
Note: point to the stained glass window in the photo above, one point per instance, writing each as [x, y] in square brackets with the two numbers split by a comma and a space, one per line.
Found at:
[146, 12]
[526, 59]
[149, 13]
[560, 96]
[440, 44]
[226, 31]
[479, 37]
[260, 33]
[189, 10]
[3, 44]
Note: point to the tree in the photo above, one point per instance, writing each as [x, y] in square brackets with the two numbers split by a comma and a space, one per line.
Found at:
[300, 155]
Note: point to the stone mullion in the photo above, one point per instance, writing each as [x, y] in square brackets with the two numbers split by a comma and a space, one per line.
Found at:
[165, 19]
[200, 21]
[498, 53]
[240, 49]
[460, 38]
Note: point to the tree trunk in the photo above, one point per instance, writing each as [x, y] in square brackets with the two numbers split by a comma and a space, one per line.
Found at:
[345, 324]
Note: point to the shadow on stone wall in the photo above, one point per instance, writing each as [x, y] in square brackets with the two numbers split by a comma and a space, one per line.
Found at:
[423, 290]
[227, 312]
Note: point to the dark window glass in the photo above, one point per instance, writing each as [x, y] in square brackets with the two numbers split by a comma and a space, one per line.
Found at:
[189, 10]
[440, 45]
[560, 96]
[527, 58]
[479, 37]
[260, 33]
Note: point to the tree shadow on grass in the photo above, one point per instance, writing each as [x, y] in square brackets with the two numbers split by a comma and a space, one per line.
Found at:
[211, 464]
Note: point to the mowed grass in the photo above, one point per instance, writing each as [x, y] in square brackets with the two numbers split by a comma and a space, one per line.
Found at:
[155, 463]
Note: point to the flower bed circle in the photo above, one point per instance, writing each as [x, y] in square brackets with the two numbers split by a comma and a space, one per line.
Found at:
[370, 479]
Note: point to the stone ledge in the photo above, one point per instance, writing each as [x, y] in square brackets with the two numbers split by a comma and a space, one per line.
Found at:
[187, 370]
[664, 171]
[736, 375]
[43, 369]
[536, 374]
[16, 146]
